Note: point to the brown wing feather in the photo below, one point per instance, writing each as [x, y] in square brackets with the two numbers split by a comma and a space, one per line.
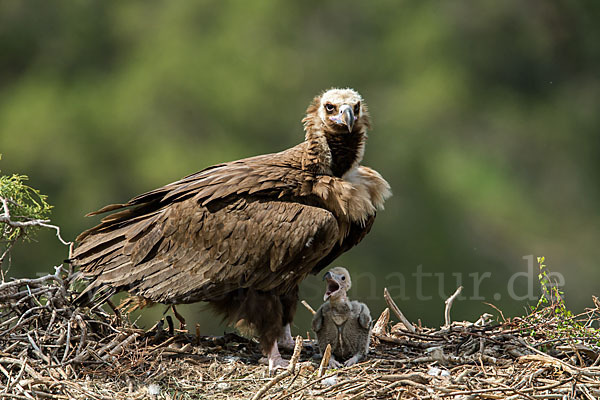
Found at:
[356, 233]
[247, 242]
[229, 226]
[261, 222]
[254, 174]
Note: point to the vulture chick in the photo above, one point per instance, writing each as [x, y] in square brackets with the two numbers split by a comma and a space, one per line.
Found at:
[341, 323]
[242, 235]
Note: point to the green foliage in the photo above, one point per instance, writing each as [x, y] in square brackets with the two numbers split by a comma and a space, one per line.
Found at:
[551, 299]
[24, 203]
[551, 294]
[550, 317]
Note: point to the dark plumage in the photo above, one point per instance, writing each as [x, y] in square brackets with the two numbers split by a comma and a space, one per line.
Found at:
[242, 235]
[341, 323]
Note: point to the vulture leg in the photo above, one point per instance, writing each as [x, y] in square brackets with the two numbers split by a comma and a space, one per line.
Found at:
[286, 341]
[288, 302]
[263, 313]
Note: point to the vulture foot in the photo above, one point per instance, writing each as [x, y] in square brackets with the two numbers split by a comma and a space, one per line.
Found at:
[276, 363]
[333, 363]
[275, 359]
[351, 361]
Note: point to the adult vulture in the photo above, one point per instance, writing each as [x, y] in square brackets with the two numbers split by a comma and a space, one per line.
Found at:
[242, 235]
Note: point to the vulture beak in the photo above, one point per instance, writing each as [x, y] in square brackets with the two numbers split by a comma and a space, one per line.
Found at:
[332, 285]
[345, 117]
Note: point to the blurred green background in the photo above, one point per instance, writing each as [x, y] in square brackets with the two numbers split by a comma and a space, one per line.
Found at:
[485, 123]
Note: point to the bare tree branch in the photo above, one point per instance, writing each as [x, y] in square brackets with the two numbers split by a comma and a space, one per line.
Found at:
[5, 218]
[396, 310]
[448, 303]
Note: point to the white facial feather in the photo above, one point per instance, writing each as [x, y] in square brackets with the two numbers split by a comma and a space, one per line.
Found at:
[338, 97]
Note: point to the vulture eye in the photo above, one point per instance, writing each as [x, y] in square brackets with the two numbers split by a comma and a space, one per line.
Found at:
[329, 108]
[356, 108]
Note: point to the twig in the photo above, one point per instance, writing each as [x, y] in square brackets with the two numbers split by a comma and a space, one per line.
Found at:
[178, 316]
[339, 385]
[418, 377]
[10, 383]
[448, 303]
[28, 369]
[6, 252]
[290, 371]
[28, 282]
[68, 342]
[497, 309]
[325, 361]
[308, 307]
[197, 334]
[473, 392]
[396, 310]
[380, 326]
[118, 347]
[295, 355]
[5, 218]
[37, 350]
[83, 338]
[307, 385]
[359, 396]
[112, 343]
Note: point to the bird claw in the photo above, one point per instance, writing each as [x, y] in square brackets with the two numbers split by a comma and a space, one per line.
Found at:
[275, 359]
[351, 361]
[276, 363]
[333, 363]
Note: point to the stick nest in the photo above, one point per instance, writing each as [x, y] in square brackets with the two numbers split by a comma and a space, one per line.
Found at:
[52, 349]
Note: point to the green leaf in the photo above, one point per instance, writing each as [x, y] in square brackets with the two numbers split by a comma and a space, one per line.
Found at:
[24, 203]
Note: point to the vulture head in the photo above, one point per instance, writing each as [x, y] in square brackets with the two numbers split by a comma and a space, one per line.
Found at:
[340, 117]
[338, 283]
[337, 111]
[341, 109]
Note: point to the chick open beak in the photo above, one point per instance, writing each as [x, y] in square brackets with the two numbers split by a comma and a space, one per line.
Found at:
[332, 285]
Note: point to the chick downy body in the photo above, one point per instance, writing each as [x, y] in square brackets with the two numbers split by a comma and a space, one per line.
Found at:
[342, 323]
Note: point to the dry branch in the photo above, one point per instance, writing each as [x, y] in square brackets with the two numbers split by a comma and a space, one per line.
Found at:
[379, 329]
[287, 373]
[396, 310]
[6, 218]
[308, 307]
[325, 361]
[448, 303]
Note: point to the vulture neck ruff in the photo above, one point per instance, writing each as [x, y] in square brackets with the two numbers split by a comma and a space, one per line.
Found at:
[347, 149]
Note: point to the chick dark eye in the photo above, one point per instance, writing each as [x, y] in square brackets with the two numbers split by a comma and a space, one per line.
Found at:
[329, 108]
[343, 278]
[356, 108]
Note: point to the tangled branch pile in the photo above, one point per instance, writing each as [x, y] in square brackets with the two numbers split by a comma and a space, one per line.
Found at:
[45, 339]
[52, 349]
